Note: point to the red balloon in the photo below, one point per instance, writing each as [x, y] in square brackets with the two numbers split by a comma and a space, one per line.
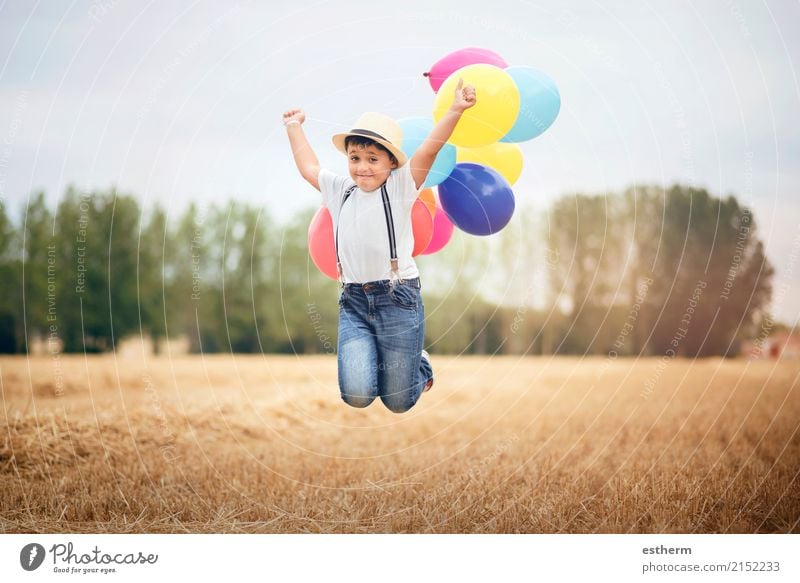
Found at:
[442, 231]
[422, 225]
[320, 243]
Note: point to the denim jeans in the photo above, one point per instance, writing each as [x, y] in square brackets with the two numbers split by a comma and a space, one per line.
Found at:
[381, 335]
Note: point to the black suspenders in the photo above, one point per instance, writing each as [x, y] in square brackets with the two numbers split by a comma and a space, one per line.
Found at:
[387, 213]
[347, 194]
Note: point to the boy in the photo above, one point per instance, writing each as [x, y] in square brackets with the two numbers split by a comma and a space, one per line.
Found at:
[381, 314]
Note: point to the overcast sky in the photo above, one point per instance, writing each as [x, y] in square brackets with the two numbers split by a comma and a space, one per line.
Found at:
[181, 101]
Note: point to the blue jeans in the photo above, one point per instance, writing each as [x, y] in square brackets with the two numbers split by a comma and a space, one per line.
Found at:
[381, 335]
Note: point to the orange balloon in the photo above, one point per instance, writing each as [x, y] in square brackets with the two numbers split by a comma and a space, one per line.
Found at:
[320, 243]
[422, 226]
[427, 197]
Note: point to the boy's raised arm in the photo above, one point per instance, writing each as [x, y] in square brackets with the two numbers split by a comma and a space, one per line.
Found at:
[423, 158]
[304, 156]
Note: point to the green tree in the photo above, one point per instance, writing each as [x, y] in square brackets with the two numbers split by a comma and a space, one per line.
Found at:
[246, 261]
[154, 238]
[587, 236]
[39, 280]
[97, 236]
[11, 331]
[189, 278]
[712, 280]
[708, 280]
[72, 228]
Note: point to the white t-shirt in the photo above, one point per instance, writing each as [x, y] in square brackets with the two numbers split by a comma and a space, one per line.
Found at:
[363, 234]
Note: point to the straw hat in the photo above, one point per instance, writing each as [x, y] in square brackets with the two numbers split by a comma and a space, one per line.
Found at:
[381, 129]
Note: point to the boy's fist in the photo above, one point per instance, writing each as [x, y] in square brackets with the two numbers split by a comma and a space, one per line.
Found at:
[465, 97]
[294, 115]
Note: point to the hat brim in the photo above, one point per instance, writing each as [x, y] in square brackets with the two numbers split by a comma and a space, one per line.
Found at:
[339, 139]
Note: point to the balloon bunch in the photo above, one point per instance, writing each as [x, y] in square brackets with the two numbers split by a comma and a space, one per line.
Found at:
[475, 169]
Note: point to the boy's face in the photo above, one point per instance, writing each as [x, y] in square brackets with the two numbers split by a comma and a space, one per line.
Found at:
[369, 166]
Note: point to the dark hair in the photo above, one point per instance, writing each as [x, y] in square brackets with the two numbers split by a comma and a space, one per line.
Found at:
[366, 142]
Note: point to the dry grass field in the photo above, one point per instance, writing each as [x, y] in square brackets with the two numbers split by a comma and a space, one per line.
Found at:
[264, 444]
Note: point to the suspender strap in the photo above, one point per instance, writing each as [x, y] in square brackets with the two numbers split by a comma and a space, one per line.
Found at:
[347, 194]
[387, 213]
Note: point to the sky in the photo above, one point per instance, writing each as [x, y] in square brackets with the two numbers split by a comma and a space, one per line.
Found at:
[178, 102]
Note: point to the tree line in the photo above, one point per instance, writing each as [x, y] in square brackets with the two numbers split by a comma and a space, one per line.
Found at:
[650, 271]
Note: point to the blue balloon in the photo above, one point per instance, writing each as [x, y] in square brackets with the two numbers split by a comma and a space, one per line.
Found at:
[539, 104]
[415, 130]
[477, 199]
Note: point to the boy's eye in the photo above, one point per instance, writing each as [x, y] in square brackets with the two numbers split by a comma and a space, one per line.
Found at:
[373, 159]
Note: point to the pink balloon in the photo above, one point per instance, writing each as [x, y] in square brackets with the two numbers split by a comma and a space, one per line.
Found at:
[320, 243]
[442, 231]
[451, 62]
[421, 225]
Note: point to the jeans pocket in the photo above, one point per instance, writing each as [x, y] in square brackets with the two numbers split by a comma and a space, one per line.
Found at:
[404, 296]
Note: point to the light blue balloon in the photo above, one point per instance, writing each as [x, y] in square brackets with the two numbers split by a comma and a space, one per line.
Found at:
[415, 130]
[539, 103]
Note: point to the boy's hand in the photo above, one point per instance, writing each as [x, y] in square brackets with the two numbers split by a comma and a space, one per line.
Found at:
[294, 115]
[465, 97]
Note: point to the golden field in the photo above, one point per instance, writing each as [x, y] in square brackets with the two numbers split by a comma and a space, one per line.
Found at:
[501, 444]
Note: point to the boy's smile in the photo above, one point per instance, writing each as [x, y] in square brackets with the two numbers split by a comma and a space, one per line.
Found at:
[369, 166]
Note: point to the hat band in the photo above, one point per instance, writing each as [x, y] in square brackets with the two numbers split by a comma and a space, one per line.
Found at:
[370, 134]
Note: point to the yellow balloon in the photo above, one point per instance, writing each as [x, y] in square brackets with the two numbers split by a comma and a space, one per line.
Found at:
[504, 157]
[492, 116]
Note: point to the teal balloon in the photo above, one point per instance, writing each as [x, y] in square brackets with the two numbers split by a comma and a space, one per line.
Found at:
[539, 104]
[415, 130]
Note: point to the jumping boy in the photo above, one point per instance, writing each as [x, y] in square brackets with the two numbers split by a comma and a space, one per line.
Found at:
[381, 314]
